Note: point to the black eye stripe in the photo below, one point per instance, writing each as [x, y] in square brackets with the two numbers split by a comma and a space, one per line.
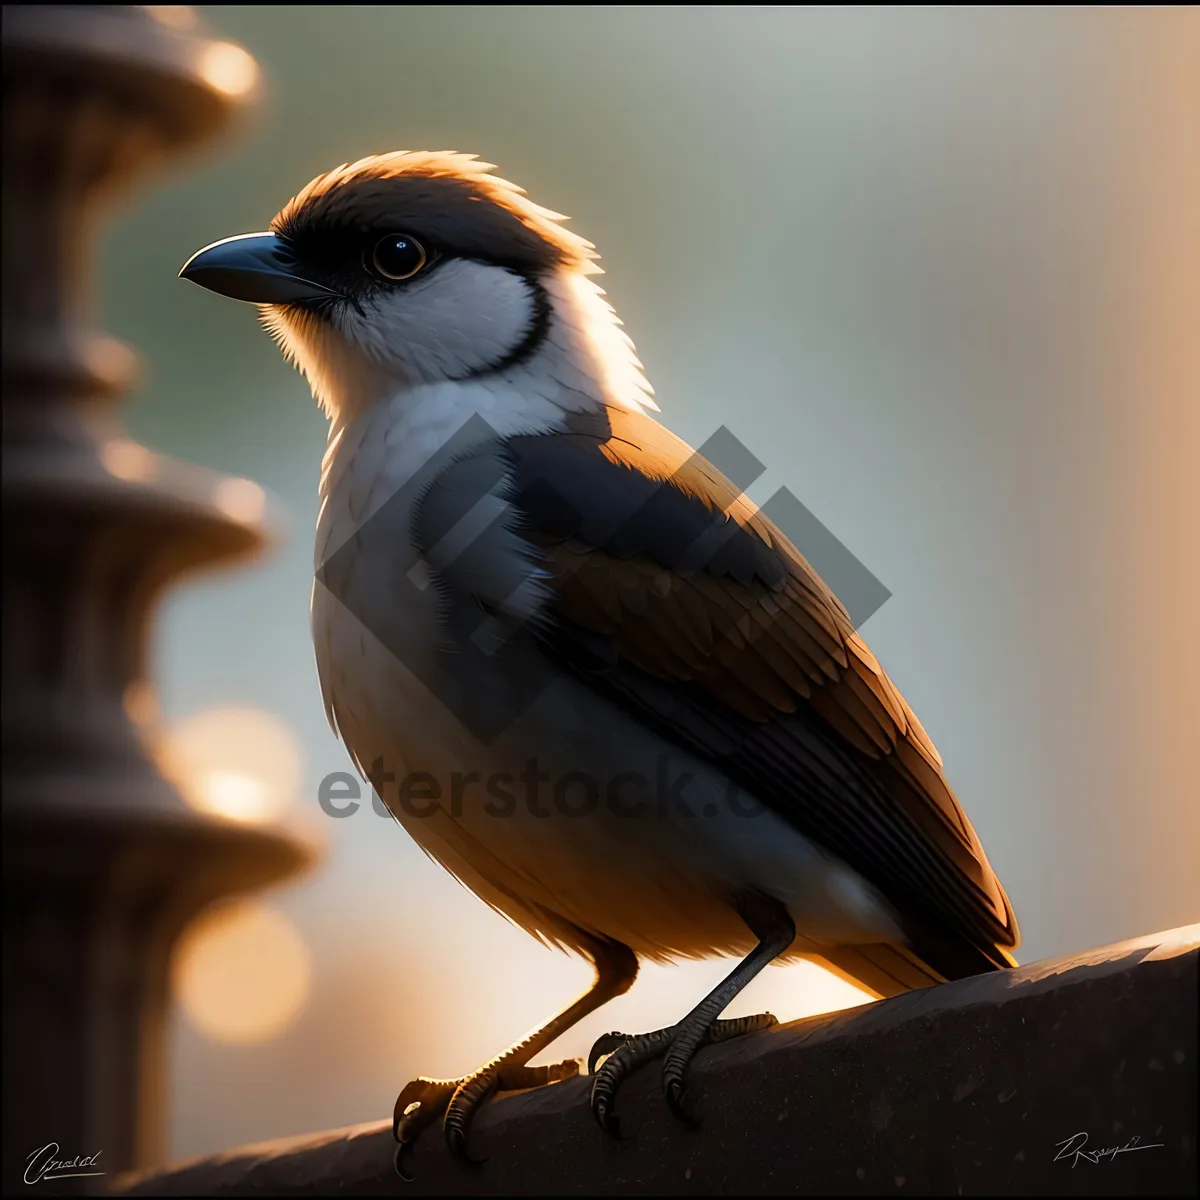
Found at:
[342, 255]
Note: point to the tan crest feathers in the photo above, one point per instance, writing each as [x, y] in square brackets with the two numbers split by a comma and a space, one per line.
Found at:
[442, 192]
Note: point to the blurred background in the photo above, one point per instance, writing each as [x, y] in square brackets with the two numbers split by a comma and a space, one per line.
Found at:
[937, 268]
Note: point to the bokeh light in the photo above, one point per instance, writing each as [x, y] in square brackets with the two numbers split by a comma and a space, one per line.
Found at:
[237, 762]
[241, 499]
[177, 16]
[229, 68]
[242, 974]
[126, 460]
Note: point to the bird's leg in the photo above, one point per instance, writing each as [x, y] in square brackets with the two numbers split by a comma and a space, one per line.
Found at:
[424, 1100]
[769, 921]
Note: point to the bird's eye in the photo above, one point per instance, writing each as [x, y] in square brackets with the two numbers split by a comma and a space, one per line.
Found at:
[398, 256]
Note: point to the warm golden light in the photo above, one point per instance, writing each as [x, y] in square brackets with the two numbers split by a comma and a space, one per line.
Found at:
[242, 974]
[240, 499]
[177, 16]
[229, 68]
[813, 988]
[237, 762]
[232, 794]
[127, 460]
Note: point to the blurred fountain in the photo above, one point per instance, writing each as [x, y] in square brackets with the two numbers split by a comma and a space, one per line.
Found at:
[105, 865]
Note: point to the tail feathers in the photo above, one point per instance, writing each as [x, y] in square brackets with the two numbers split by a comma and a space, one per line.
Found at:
[885, 969]
[890, 969]
[952, 955]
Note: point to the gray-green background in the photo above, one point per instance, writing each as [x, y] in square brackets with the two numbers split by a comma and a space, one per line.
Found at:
[915, 260]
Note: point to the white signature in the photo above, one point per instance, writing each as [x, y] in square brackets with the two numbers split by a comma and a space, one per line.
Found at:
[42, 1165]
[1073, 1148]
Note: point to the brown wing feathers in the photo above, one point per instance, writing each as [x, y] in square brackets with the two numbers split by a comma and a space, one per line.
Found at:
[756, 663]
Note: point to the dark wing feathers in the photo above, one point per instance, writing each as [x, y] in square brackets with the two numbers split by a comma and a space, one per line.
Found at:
[683, 603]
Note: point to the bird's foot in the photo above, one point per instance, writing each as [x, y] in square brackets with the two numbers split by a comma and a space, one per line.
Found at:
[615, 1056]
[457, 1101]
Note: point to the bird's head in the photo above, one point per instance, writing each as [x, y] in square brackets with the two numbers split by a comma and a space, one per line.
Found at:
[405, 269]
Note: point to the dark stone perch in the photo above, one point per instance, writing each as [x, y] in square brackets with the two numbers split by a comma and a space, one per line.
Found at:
[976, 1087]
[104, 864]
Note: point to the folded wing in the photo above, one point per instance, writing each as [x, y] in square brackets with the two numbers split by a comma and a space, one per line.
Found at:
[668, 592]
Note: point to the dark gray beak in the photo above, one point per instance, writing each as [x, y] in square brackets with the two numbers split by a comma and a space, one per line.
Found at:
[256, 267]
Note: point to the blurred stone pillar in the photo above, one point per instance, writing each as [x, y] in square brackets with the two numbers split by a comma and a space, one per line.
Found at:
[104, 864]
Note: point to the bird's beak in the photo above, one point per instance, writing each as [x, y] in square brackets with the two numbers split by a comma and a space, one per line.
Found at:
[259, 268]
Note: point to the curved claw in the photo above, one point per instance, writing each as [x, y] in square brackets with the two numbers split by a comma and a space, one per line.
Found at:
[674, 1095]
[468, 1096]
[456, 1139]
[398, 1115]
[607, 1119]
[402, 1151]
[604, 1045]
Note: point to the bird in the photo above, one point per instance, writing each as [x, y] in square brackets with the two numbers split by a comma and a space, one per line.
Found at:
[616, 702]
